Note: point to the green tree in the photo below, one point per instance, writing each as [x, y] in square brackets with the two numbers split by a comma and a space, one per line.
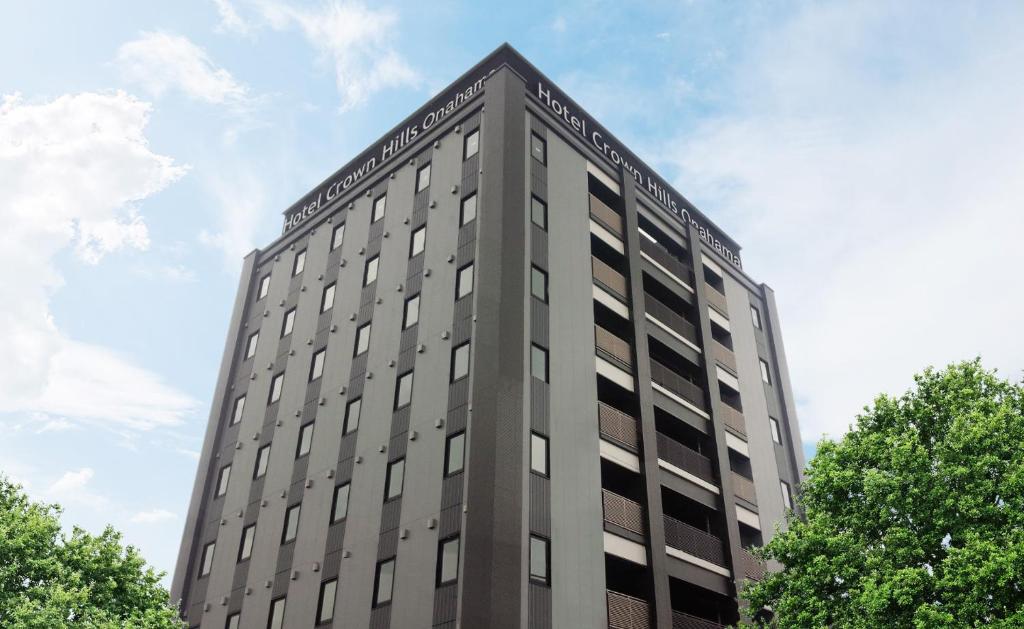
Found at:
[915, 518]
[50, 580]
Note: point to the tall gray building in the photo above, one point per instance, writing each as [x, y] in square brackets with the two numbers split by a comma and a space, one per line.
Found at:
[495, 372]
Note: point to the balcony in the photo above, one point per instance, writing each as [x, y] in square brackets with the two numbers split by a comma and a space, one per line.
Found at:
[609, 278]
[689, 539]
[681, 620]
[716, 298]
[623, 512]
[606, 216]
[743, 487]
[685, 459]
[723, 355]
[677, 384]
[617, 426]
[669, 262]
[750, 566]
[675, 321]
[733, 419]
[628, 612]
[613, 346]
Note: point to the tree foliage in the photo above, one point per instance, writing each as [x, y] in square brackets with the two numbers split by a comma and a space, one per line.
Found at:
[51, 580]
[915, 518]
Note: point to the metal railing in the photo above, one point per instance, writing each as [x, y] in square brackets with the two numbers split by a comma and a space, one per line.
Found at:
[682, 620]
[685, 458]
[612, 345]
[606, 216]
[716, 298]
[623, 512]
[743, 487]
[723, 354]
[617, 426]
[733, 418]
[694, 541]
[672, 264]
[609, 278]
[666, 315]
[752, 567]
[627, 612]
[677, 384]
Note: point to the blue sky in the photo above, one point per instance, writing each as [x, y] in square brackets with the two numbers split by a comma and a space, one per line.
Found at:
[868, 157]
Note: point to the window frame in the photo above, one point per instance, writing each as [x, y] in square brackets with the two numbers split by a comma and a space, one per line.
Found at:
[273, 612]
[422, 229]
[237, 410]
[398, 390]
[377, 601]
[332, 289]
[472, 135]
[368, 328]
[755, 316]
[405, 311]
[299, 263]
[420, 186]
[236, 617]
[547, 365]
[242, 555]
[459, 280]
[223, 481]
[448, 444]
[316, 371]
[375, 261]
[766, 374]
[251, 344]
[256, 473]
[787, 494]
[452, 376]
[206, 559]
[544, 579]
[288, 322]
[534, 438]
[543, 143]
[295, 508]
[278, 379]
[463, 221]
[263, 289]
[439, 579]
[534, 272]
[536, 202]
[320, 619]
[389, 493]
[308, 426]
[776, 429]
[379, 202]
[347, 486]
[337, 241]
[347, 423]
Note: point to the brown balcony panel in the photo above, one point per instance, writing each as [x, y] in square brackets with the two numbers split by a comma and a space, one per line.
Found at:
[606, 216]
[682, 620]
[627, 612]
[723, 354]
[623, 512]
[689, 539]
[673, 320]
[617, 426]
[752, 568]
[609, 278]
[672, 264]
[677, 384]
[733, 419]
[613, 346]
[716, 298]
[684, 458]
[744, 488]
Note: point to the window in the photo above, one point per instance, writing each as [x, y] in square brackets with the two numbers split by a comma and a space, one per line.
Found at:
[222, 480]
[250, 345]
[539, 362]
[206, 563]
[383, 582]
[300, 263]
[423, 178]
[327, 301]
[316, 366]
[370, 274]
[339, 508]
[395, 479]
[275, 388]
[245, 547]
[412, 312]
[467, 212]
[419, 239]
[776, 433]
[403, 391]
[765, 374]
[362, 338]
[464, 281]
[448, 561]
[538, 148]
[305, 440]
[471, 145]
[352, 416]
[288, 324]
[539, 454]
[262, 459]
[539, 284]
[539, 556]
[338, 236]
[755, 316]
[233, 620]
[539, 213]
[236, 412]
[379, 205]
[325, 606]
[455, 454]
[291, 523]
[276, 620]
[787, 496]
[460, 362]
[264, 287]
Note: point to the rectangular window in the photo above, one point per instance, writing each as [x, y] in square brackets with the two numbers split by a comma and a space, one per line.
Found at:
[275, 388]
[338, 236]
[455, 454]
[288, 324]
[379, 206]
[305, 440]
[423, 178]
[325, 606]
[539, 454]
[262, 460]
[460, 362]
[291, 523]
[538, 148]
[787, 496]
[464, 281]
[222, 480]
[418, 241]
[362, 338]
[245, 546]
[383, 582]
[352, 416]
[233, 621]
[539, 213]
[412, 312]
[300, 263]
[765, 374]
[539, 560]
[539, 284]
[236, 412]
[206, 562]
[327, 301]
[250, 345]
[264, 287]
[395, 479]
[539, 362]
[471, 145]
[316, 366]
[339, 508]
[448, 561]
[403, 390]
[776, 433]
[370, 273]
[755, 316]
[467, 212]
[276, 620]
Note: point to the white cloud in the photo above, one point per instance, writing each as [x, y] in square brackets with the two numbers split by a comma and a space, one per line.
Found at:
[73, 487]
[153, 516]
[872, 171]
[56, 424]
[230, 20]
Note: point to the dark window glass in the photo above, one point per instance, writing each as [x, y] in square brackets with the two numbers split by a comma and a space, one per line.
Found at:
[339, 508]
[327, 301]
[316, 365]
[236, 412]
[455, 454]
[223, 479]
[423, 178]
[539, 560]
[464, 281]
[395, 479]
[206, 563]
[352, 416]
[403, 390]
[412, 312]
[460, 362]
[539, 454]
[262, 459]
[468, 210]
[383, 583]
[305, 440]
[379, 206]
[539, 213]
[471, 144]
[245, 547]
[325, 606]
[448, 561]
[539, 362]
[300, 262]
[250, 345]
[538, 148]
[291, 523]
[289, 323]
[276, 620]
[539, 284]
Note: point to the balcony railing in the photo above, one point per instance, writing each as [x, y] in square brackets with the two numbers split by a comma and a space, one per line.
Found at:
[681, 620]
[689, 539]
[743, 487]
[723, 354]
[733, 419]
[752, 568]
[628, 612]
[666, 315]
[672, 264]
[623, 512]
[609, 278]
[677, 384]
[613, 346]
[617, 426]
[606, 216]
[685, 458]
[716, 298]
